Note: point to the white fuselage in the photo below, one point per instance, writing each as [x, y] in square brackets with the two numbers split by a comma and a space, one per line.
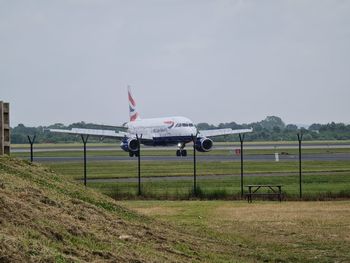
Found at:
[163, 131]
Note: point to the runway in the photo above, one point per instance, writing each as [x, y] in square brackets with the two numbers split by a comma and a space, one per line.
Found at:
[203, 158]
[250, 146]
[114, 153]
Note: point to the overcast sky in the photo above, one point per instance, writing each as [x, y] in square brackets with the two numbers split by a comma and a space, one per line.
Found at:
[211, 61]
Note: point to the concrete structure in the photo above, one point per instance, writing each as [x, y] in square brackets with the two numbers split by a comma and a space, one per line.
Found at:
[4, 128]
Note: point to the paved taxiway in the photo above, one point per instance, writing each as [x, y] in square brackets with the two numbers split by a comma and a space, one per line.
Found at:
[205, 157]
[70, 148]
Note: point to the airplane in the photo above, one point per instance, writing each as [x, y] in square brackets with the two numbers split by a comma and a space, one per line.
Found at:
[166, 131]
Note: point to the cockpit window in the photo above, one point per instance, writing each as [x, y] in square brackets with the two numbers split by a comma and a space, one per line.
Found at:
[190, 125]
[184, 125]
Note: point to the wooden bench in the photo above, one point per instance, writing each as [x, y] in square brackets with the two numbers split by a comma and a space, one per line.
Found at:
[276, 190]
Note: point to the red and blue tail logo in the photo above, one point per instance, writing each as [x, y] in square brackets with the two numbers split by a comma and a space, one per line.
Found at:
[132, 107]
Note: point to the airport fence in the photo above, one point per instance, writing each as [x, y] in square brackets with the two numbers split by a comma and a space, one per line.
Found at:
[327, 176]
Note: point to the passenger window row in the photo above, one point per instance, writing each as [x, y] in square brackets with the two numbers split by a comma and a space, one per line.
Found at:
[184, 125]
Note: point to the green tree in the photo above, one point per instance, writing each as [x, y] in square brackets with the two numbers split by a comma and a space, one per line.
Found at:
[272, 121]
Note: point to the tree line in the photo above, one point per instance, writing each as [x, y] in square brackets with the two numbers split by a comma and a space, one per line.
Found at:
[272, 128]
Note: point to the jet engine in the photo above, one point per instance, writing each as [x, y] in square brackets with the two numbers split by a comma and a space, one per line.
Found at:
[130, 145]
[204, 144]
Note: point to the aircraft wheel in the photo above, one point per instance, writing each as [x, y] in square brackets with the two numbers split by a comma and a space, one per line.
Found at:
[178, 153]
[131, 154]
[184, 152]
[137, 154]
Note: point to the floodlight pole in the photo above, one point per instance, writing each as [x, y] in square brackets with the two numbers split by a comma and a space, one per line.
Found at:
[139, 163]
[194, 139]
[31, 141]
[84, 139]
[300, 138]
[241, 139]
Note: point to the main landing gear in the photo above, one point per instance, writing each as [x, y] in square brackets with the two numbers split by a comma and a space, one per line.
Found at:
[181, 151]
[132, 154]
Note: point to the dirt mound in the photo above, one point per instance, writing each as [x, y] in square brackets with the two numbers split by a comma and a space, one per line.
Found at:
[46, 218]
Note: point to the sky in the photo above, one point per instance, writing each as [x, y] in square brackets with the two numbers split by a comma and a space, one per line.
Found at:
[65, 61]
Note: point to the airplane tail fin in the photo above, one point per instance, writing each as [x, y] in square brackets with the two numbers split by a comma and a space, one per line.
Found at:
[134, 115]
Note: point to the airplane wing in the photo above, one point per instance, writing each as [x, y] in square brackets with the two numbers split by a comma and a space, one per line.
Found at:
[219, 132]
[105, 126]
[93, 132]
[101, 133]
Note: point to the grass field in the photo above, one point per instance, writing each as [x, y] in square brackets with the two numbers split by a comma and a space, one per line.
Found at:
[201, 229]
[315, 187]
[46, 217]
[262, 231]
[120, 169]
[321, 179]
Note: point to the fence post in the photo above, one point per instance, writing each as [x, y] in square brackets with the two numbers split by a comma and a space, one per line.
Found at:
[300, 138]
[84, 139]
[194, 139]
[139, 163]
[241, 139]
[31, 141]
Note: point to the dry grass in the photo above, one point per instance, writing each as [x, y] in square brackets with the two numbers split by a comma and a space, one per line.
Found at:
[46, 218]
[313, 230]
[265, 231]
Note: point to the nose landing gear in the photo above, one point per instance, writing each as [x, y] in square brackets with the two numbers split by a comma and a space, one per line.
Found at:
[181, 151]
